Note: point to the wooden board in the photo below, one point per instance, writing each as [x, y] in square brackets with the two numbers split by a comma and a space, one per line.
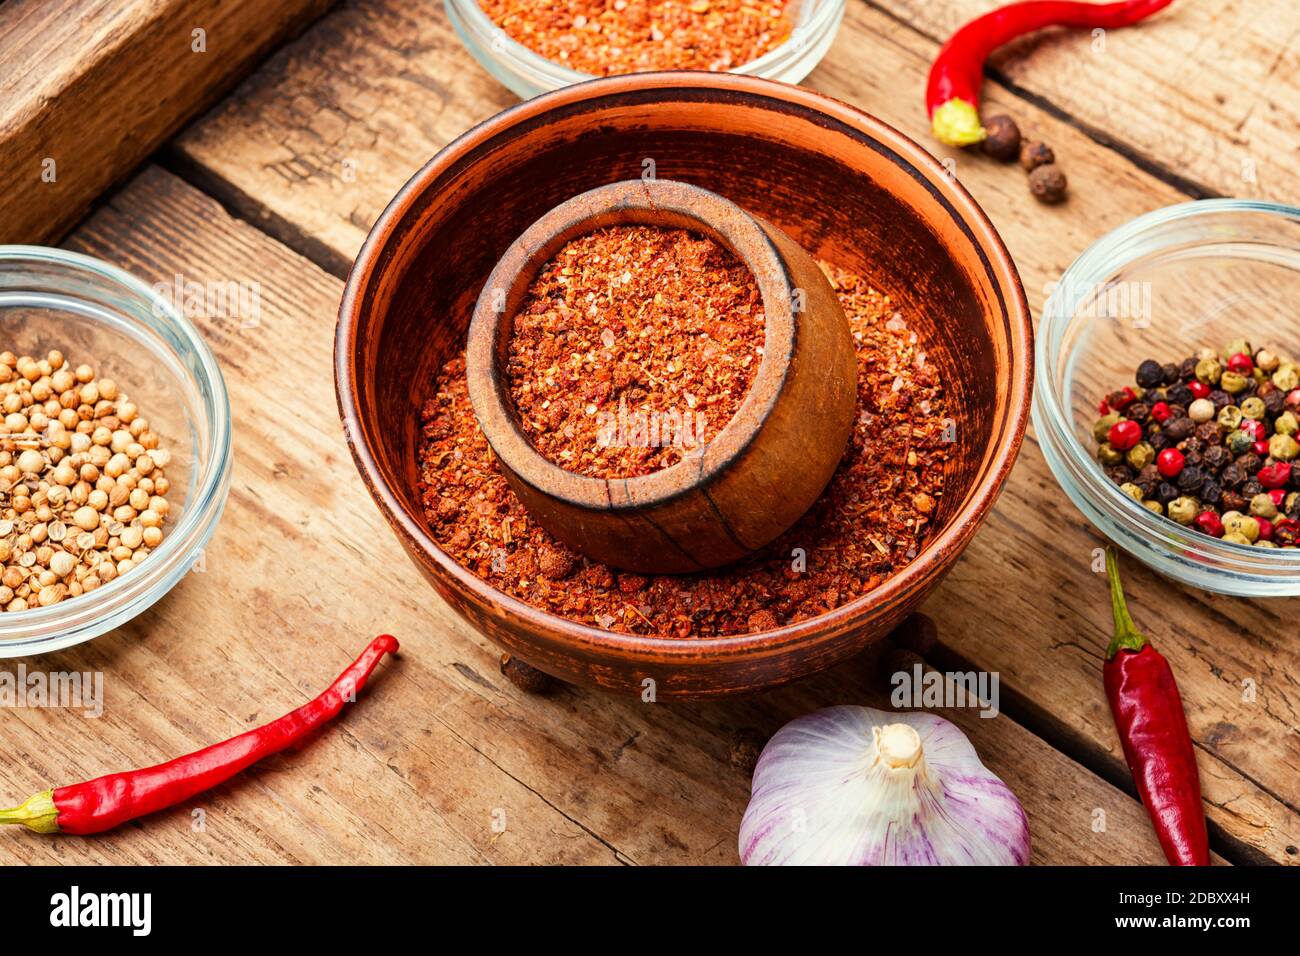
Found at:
[1202, 94]
[442, 760]
[90, 87]
[271, 152]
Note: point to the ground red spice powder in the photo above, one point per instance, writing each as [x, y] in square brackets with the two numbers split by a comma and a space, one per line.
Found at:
[605, 37]
[871, 521]
[634, 346]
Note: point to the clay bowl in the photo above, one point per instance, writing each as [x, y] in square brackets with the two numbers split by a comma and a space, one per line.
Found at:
[757, 474]
[844, 185]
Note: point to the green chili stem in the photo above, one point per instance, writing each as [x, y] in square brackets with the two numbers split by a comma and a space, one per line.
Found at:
[1126, 636]
[37, 813]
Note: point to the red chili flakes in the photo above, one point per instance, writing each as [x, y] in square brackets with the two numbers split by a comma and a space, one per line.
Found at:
[605, 37]
[634, 346]
[871, 521]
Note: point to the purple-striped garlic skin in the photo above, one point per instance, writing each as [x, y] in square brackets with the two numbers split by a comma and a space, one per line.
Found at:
[824, 793]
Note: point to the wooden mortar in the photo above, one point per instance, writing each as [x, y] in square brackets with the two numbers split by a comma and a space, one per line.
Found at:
[759, 473]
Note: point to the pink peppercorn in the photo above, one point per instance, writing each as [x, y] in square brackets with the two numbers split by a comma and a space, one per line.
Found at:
[1199, 389]
[1170, 462]
[1278, 495]
[1124, 434]
[1210, 523]
[1103, 407]
[1293, 397]
[1275, 475]
[1160, 411]
[1253, 428]
[1261, 448]
[1242, 363]
[1265, 529]
[1122, 399]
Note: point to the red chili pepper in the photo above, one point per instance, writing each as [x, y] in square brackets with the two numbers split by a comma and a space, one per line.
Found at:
[1153, 729]
[110, 801]
[952, 94]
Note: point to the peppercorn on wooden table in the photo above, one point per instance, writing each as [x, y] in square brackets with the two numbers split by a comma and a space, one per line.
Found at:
[278, 184]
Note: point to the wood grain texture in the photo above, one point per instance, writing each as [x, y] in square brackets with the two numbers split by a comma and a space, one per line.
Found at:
[273, 152]
[1205, 92]
[94, 86]
[442, 760]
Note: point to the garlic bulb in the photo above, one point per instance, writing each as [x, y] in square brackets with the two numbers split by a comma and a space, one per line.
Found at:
[863, 787]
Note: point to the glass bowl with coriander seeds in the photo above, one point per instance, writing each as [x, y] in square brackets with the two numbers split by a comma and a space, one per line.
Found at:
[1168, 403]
[114, 448]
[536, 47]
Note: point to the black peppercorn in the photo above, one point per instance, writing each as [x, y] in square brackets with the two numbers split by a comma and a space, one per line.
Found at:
[1048, 183]
[1034, 154]
[1220, 399]
[1149, 473]
[1179, 428]
[1138, 411]
[1232, 476]
[1251, 488]
[1211, 491]
[1216, 458]
[1274, 400]
[1171, 373]
[1187, 369]
[1003, 141]
[1150, 374]
[1158, 440]
[1190, 479]
[1232, 501]
[1120, 474]
[1180, 395]
[1249, 463]
[1192, 446]
[1209, 432]
[1165, 492]
[1153, 395]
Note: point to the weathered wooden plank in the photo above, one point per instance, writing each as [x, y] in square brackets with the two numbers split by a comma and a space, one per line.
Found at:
[1204, 92]
[442, 760]
[89, 88]
[1046, 632]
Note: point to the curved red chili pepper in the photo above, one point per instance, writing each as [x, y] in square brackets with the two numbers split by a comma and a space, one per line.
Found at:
[952, 95]
[1149, 716]
[109, 801]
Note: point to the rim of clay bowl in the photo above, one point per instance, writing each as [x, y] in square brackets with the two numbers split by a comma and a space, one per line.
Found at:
[876, 134]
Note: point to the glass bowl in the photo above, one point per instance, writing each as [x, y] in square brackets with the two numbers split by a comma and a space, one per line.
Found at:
[100, 315]
[1163, 286]
[528, 73]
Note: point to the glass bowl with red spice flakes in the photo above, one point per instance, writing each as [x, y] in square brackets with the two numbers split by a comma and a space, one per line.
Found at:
[1168, 358]
[942, 342]
[540, 46]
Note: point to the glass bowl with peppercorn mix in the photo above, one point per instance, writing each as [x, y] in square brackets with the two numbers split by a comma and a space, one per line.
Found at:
[536, 47]
[1168, 398]
[101, 372]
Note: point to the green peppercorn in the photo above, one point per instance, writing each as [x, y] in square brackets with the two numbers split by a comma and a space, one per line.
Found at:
[1184, 510]
[1283, 447]
[1229, 417]
[1265, 544]
[1244, 525]
[1153, 506]
[1286, 377]
[1261, 506]
[1209, 371]
[1235, 537]
[1141, 455]
[1286, 424]
[1290, 501]
[1239, 442]
[1132, 490]
[1236, 347]
[1101, 428]
[1109, 455]
[1253, 408]
[1233, 382]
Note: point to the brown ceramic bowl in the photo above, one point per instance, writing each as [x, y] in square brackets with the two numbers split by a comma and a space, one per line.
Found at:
[845, 185]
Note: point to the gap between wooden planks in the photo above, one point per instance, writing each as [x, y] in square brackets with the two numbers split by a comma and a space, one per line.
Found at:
[442, 760]
[88, 88]
[1203, 94]
[348, 94]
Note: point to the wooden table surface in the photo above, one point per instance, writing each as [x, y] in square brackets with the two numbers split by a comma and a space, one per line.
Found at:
[444, 761]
